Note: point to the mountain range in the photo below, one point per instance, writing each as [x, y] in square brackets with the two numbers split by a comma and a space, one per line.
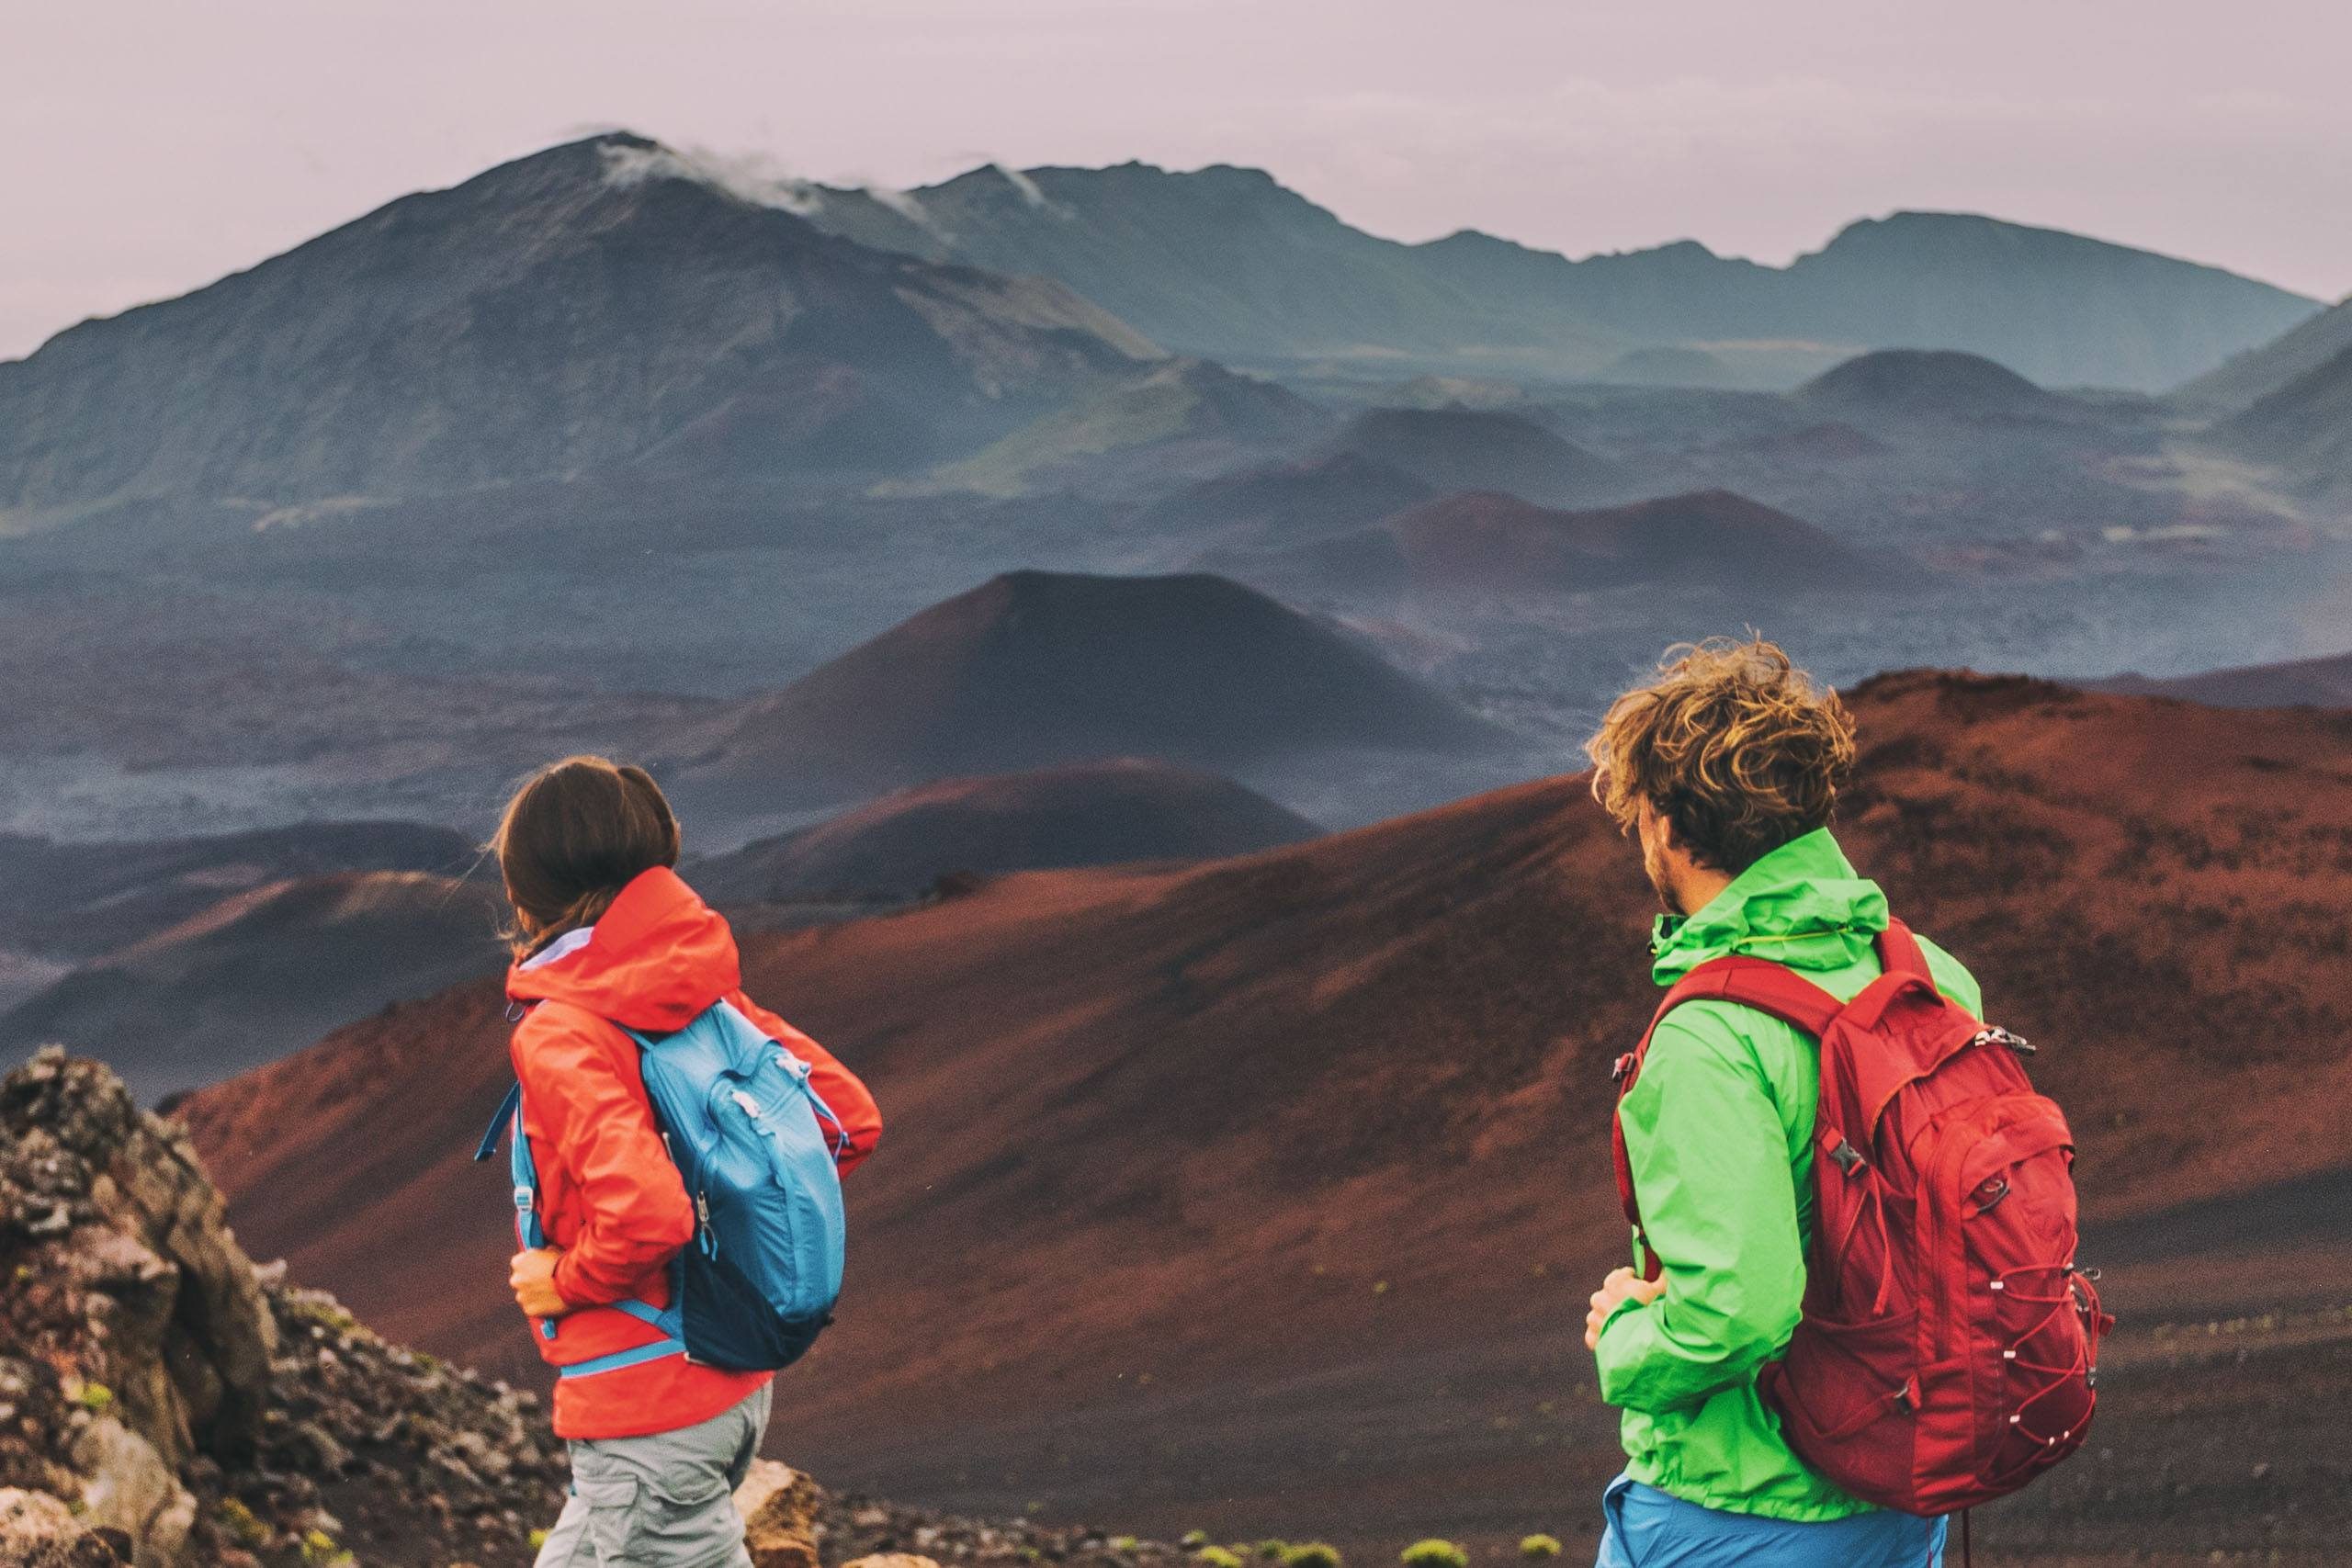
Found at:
[1228, 262]
[573, 310]
[610, 305]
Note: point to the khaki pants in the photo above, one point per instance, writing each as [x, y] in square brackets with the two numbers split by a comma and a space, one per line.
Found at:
[665, 1500]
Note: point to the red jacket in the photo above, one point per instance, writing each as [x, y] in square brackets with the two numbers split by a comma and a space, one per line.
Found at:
[608, 1194]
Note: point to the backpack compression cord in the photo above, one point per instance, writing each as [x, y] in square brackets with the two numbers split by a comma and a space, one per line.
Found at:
[1949, 1350]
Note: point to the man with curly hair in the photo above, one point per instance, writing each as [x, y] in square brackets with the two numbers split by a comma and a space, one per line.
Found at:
[1726, 769]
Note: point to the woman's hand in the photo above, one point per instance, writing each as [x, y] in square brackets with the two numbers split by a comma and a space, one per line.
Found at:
[534, 1281]
[1624, 1285]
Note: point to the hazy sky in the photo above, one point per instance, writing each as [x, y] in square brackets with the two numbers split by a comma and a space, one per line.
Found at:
[155, 144]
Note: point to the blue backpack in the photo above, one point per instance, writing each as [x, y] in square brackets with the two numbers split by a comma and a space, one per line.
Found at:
[757, 1283]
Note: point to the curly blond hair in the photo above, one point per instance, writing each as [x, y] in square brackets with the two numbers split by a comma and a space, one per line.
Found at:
[1733, 744]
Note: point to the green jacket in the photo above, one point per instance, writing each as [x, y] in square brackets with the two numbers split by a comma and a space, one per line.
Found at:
[1719, 1130]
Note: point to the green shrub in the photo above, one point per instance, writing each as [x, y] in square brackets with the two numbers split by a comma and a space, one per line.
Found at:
[538, 1540]
[243, 1527]
[1536, 1548]
[1217, 1557]
[319, 1550]
[1434, 1553]
[1193, 1540]
[1312, 1554]
[1124, 1544]
[97, 1398]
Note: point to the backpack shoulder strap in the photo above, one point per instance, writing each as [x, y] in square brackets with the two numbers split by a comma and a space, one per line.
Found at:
[1899, 953]
[1768, 987]
[1758, 983]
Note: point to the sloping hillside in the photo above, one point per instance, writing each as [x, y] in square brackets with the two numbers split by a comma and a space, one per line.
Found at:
[1271, 1189]
[2248, 377]
[1082, 813]
[1928, 384]
[1497, 547]
[1281, 503]
[1037, 668]
[261, 973]
[2305, 427]
[1459, 448]
[81, 899]
[2323, 682]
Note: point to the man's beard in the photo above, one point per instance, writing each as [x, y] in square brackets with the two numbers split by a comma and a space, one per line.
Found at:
[1654, 866]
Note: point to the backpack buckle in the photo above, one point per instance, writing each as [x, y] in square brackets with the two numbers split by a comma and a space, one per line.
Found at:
[1625, 1068]
[1849, 1158]
[1997, 1036]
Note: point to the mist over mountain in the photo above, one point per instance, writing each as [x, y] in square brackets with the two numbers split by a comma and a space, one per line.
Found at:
[1228, 262]
[585, 307]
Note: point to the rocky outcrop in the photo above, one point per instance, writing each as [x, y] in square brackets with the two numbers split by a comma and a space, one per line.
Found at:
[161, 1400]
[164, 1402]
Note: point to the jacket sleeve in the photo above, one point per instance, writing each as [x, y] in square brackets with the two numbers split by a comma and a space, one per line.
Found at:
[588, 1100]
[1712, 1171]
[1953, 978]
[843, 1094]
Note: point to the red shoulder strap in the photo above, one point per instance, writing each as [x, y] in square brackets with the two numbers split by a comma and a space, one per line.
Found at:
[1899, 952]
[1758, 983]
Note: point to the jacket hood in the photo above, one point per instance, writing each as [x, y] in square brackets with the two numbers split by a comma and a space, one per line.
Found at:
[1802, 905]
[658, 957]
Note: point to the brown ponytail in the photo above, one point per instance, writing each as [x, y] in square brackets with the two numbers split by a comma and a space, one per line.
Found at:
[575, 834]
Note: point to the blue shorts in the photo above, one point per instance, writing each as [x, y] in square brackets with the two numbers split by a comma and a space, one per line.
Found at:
[1649, 1530]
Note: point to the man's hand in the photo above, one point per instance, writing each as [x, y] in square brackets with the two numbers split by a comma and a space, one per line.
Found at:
[1622, 1285]
[534, 1281]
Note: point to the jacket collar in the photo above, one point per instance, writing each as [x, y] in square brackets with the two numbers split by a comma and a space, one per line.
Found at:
[1802, 905]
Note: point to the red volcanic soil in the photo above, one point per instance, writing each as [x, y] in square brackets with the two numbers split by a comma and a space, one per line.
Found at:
[1265, 1195]
[261, 974]
[1489, 543]
[1086, 814]
[1037, 668]
[2323, 682]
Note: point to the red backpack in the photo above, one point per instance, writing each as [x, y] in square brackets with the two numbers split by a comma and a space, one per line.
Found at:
[1949, 1350]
